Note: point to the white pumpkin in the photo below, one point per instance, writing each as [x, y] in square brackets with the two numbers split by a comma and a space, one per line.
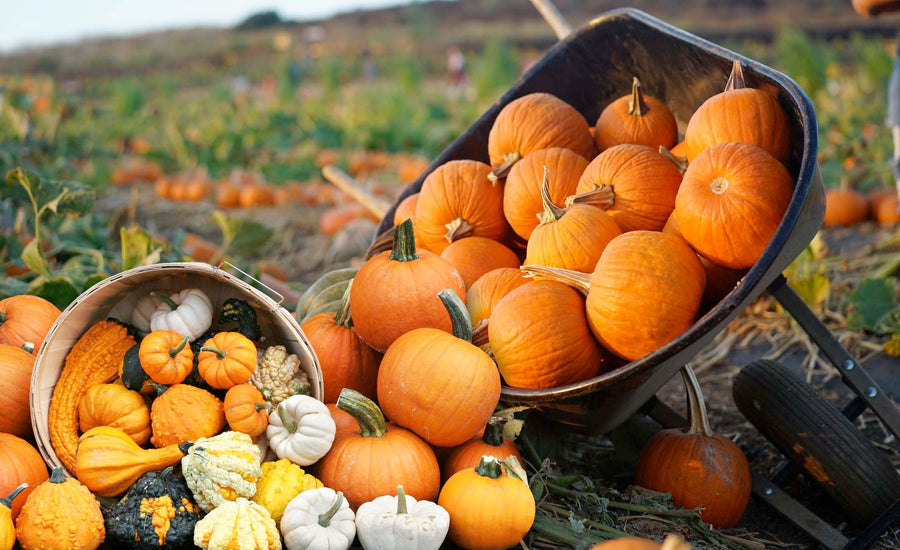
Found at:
[401, 523]
[301, 429]
[318, 519]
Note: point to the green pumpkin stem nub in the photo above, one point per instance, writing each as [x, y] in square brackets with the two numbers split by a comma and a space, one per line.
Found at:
[325, 517]
[287, 422]
[2, 317]
[551, 212]
[401, 500]
[699, 418]
[493, 432]
[342, 317]
[736, 78]
[404, 248]
[364, 411]
[57, 475]
[637, 106]
[219, 353]
[7, 500]
[489, 467]
[177, 349]
[166, 300]
[459, 315]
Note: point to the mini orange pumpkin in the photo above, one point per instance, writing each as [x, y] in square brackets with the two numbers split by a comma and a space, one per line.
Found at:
[636, 118]
[184, 413]
[246, 410]
[166, 357]
[26, 318]
[227, 359]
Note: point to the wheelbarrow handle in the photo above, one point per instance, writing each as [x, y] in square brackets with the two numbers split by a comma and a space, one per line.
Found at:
[557, 22]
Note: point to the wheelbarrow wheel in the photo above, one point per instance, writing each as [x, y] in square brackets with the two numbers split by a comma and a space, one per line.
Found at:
[815, 435]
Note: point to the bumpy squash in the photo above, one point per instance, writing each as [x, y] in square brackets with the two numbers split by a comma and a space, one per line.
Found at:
[222, 468]
[281, 481]
[238, 525]
[185, 413]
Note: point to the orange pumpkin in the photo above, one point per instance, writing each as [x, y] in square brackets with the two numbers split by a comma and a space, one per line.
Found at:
[228, 194]
[115, 406]
[26, 318]
[457, 200]
[469, 454]
[199, 248]
[533, 122]
[372, 462]
[246, 410]
[256, 194]
[184, 413]
[346, 361]
[16, 365]
[636, 118]
[731, 201]
[335, 218]
[344, 423]
[540, 338]
[489, 289]
[698, 467]
[20, 463]
[570, 238]
[739, 114]
[226, 359]
[439, 385]
[632, 183]
[522, 203]
[406, 209]
[166, 357]
[844, 207]
[405, 282]
[475, 256]
[887, 212]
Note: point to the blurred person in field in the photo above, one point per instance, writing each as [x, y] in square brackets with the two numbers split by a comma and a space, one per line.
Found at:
[456, 66]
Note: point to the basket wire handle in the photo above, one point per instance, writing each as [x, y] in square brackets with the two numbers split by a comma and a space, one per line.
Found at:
[554, 18]
[254, 279]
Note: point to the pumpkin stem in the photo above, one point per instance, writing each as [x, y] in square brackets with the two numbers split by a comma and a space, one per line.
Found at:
[489, 467]
[287, 422]
[57, 475]
[458, 229]
[699, 418]
[736, 78]
[575, 279]
[551, 212]
[264, 406]
[342, 317]
[325, 517]
[7, 500]
[401, 500]
[637, 106]
[501, 171]
[220, 354]
[601, 196]
[184, 448]
[680, 162]
[459, 315]
[364, 410]
[28, 346]
[2, 317]
[493, 432]
[404, 247]
[177, 349]
[165, 299]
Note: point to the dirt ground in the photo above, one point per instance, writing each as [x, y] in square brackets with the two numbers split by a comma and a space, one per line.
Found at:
[306, 254]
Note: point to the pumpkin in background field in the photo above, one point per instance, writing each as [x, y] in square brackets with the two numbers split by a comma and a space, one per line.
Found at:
[533, 122]
[26, 318]
[742, 114]
[697, 466]
[636, 118]
[633, 184]
[489, 289]
[458, 200]
[20, 463]
[887, 212]
[405, 282]
[16, 365]
[475, 256]
[522, 202]
[731, 201]
[844, 207]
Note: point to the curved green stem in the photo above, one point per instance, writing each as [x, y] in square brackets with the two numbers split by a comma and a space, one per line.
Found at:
[459, 315]
[219, 353]
[493, 432]
[404, 247]
[325, 517]
[401, 500]
[57, 475]
[166, 300]
[7, 500]
[3, 317]
[342, 317]
[289, 424]
[364, 411]
[176, 350]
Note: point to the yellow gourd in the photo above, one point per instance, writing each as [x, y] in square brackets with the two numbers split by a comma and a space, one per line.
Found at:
[281, 481]
[237, 525]
[7, 528]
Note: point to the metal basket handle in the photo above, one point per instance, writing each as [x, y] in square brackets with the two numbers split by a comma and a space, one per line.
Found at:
[254, 279]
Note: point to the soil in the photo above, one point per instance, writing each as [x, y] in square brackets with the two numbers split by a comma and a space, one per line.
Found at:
[306, 254]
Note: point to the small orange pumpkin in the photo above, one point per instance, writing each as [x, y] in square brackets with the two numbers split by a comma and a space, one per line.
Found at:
[115, 406]
[226, 359]
[489, 289]
[406, 209]
[246, 410]
[26, 318]
[636, 118]
[20, 463]
[844, 206]
[166, 357]
[475, 256]
[16, 365]
[491, 443]
[184, 413]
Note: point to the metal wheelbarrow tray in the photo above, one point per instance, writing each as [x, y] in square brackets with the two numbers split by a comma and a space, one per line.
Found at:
[588, 69]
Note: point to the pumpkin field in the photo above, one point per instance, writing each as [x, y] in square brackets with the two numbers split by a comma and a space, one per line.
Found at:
[284, 285]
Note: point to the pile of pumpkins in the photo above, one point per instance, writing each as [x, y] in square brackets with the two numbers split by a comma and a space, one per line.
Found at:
[846, 207]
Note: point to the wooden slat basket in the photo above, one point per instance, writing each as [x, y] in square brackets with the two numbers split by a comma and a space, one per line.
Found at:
[117, 295]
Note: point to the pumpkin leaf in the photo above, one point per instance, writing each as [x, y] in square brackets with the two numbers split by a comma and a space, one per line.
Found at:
[60, 292]
[870, 304]
[57, 196]
[241, 235]
[138, 248]
[10, 286]
[33, 257]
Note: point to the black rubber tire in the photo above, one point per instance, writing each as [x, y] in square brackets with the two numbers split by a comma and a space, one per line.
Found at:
[815, 435]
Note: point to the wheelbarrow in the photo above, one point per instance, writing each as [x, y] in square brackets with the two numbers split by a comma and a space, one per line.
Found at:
[588, 68]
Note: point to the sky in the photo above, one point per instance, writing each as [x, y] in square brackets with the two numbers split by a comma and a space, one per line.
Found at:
[40, 22]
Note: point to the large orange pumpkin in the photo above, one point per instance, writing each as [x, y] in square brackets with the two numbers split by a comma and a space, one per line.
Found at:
[458, 200]
[522, 201]
[533, 122]
[636, 118]
[347, 361]
[634, 184]
[489, 289]
[16, 365]
[20, 463]
[373, 461]
[439, 385]
[540, 338]
[26, 318]
[570, 238]
[731, 201]
[747, 115]
[396, 291]
[475, 256]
